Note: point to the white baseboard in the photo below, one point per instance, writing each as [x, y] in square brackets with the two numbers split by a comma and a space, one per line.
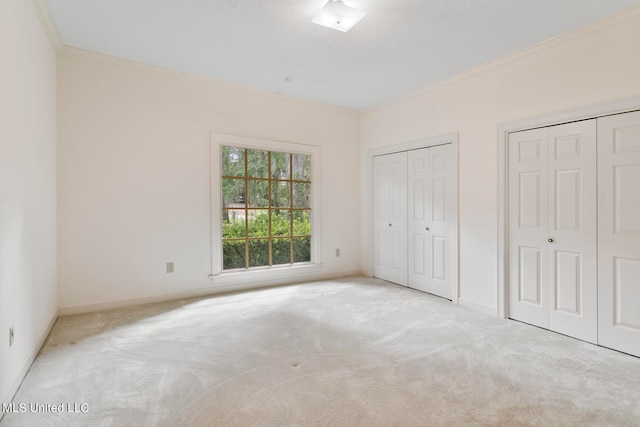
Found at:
[15, 384]
[199, 292]
[489, 311]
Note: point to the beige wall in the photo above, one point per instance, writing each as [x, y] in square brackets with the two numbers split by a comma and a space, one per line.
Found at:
[134, 176]
[592, 66]
[27, 189]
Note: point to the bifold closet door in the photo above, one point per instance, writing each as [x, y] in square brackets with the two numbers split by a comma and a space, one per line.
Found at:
[390, 217]
[529, 227]
[430, 210]
[619, 232]
[552, 228]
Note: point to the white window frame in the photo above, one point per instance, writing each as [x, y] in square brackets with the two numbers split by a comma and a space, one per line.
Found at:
[265, 273]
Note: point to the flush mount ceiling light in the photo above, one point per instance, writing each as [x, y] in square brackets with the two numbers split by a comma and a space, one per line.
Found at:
[337, 15]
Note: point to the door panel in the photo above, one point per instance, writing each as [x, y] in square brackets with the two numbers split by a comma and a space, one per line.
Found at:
[438, 199]
[382, 241]
[627, 293]
[383, 247]
[626, 208]
[529, 280]
[439, 259]
[420, 249]
[390, 217]
[530, 209]
[573, 297]
[619, 232]
[419, 203]
[528, 227]
[398, 245]
[419, 221]
[442, 194]
[430, 184]
[568, 204]
[568, 292]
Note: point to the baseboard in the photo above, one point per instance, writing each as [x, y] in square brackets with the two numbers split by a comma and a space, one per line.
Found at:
[489, 311]
[15, 385]
[199, 292]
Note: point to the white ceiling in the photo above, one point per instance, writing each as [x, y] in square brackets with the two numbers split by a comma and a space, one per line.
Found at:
[400, 47]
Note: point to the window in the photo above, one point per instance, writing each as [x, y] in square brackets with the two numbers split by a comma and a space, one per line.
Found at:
[264, 213]
[266, 208]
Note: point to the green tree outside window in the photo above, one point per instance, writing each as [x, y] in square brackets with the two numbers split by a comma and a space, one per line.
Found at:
[266, 209]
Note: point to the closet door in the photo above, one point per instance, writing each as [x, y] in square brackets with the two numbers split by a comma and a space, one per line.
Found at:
[573, 292]
[390, 217]
[619, 232]
[419, 201]
[552, 228]
[431, 203]
[529, 227]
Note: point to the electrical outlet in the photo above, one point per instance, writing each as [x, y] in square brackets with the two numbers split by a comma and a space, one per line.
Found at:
[11, 336]
[169, 267]
[337, 252]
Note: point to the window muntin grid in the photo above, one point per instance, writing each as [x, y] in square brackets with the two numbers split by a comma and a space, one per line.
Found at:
[266, 209]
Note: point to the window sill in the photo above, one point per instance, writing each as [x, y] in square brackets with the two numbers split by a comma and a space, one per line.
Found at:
[266, 274]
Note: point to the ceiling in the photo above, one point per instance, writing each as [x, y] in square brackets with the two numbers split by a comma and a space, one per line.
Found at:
[400, 47]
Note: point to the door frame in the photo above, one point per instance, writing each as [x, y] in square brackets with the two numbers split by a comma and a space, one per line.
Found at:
[567, 116]
[450, 138]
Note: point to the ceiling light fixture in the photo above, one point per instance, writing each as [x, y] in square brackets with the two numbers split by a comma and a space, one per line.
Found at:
[337, 15]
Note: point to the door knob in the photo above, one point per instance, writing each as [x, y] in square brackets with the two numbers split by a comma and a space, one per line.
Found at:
[389, 224]
[426, 228]
[550, 240]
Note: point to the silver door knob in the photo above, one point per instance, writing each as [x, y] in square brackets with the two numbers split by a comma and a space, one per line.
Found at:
[426, 228]
[550, 240]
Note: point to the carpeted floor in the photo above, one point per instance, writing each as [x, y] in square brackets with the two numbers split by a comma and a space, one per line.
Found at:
[349, 352]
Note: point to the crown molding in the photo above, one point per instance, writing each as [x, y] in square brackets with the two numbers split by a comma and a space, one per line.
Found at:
[623, 18]
[43, 13]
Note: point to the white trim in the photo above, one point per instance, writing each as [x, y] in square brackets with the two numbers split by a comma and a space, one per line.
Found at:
[222, 278]
[478, 308]
[42, 10]
[15, 384]
[450, 138]
[203, 292]
[583, 113]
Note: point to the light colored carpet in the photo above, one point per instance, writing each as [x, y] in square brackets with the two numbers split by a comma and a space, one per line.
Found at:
[349, 352]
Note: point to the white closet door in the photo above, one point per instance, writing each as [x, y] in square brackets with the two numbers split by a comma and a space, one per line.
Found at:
[529, 227]
[443, 203]
[419, 209]
[573, 292]
[431, 204]
[619, 232]
[552, 234]
[390, 217]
